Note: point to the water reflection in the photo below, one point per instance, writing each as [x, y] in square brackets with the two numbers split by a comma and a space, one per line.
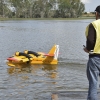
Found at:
[19, 68]
[50, 70]
[54, 97]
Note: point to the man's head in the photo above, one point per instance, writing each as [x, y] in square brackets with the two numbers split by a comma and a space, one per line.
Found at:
[97, 10]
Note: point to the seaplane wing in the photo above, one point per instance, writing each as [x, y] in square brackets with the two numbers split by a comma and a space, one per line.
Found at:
[36, 57]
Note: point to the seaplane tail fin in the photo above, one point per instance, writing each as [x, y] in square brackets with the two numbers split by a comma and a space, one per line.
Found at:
[54, 51]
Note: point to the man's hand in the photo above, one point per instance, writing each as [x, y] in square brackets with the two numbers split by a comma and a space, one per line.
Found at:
[85, 49]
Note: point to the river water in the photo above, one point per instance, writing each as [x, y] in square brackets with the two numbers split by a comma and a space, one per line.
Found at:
[37, 82]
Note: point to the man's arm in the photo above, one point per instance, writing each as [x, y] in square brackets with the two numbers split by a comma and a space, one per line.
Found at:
[91, 39]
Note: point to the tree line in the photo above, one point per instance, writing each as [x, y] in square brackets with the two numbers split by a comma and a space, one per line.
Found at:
[41, 8]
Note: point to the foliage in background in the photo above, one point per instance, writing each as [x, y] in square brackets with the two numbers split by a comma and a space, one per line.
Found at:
[41, 8]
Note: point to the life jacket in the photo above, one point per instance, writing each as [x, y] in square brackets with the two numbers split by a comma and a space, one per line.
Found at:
[96, 25]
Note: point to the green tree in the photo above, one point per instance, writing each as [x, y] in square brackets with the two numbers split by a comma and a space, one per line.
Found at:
[64, 7]
[77, 8]
[1, 7]
[41, 8]
[22, 8]
[4, 10]
[71, 8]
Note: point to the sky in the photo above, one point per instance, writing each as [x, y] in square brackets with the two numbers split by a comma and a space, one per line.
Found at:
[90, 5]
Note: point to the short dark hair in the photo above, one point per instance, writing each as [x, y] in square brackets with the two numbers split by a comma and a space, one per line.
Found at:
[97, 9]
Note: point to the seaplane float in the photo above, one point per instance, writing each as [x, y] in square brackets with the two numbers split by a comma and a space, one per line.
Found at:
[31, 57]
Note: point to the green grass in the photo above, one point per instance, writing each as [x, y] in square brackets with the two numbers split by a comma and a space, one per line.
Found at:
[84, 17]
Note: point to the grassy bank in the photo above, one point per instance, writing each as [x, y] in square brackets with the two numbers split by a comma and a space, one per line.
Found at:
[83, 17]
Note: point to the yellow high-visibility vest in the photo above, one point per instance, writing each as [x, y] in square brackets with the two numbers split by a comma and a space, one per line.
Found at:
[96, 25]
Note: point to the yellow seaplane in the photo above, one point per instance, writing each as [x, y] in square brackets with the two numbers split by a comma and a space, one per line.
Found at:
[31, 57]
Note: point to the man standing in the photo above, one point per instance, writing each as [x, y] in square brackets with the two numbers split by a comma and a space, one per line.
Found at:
[93, 48]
